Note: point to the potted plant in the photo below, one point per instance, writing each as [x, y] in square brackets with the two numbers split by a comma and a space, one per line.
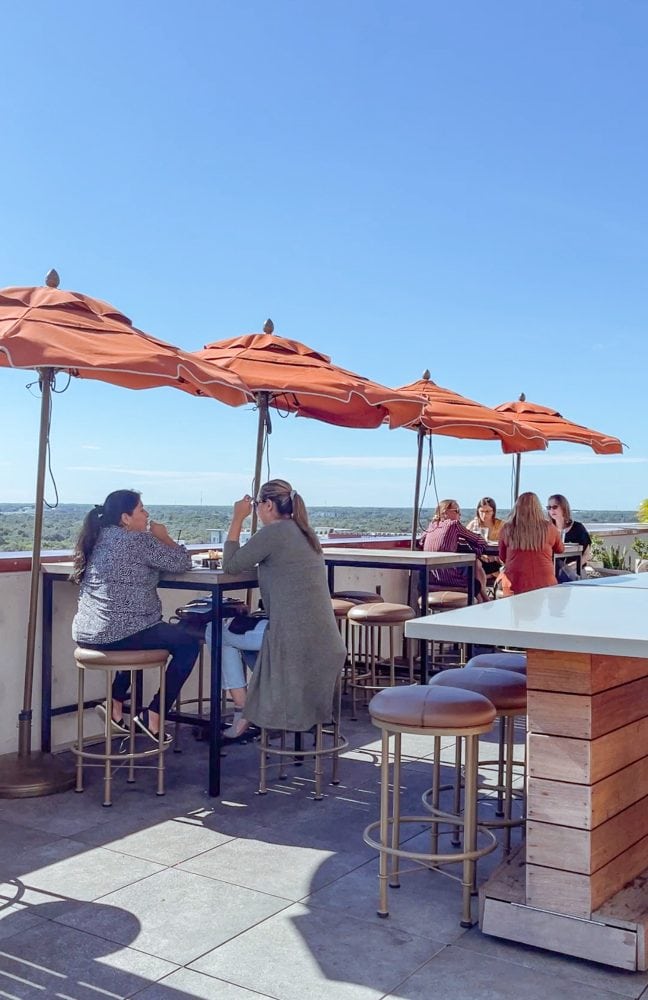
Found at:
[640, 546]
[612, 561]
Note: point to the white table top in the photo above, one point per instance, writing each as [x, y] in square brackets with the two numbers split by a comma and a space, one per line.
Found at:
[634, 581]
[575, 619]
[198, 575]
[405, 557]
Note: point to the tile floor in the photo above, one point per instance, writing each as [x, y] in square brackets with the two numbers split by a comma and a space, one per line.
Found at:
[247, 897]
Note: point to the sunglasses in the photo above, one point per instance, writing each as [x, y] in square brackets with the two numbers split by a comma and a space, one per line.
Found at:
[553, 506]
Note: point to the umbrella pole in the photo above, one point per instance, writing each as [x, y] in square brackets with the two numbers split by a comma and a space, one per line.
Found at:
[516, 486]
[417, 487]
[263, 422]
[24, 774]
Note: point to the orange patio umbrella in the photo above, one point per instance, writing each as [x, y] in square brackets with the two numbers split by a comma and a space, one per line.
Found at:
[294, 378]
[446, 412]
[50, 330]
[555, 427]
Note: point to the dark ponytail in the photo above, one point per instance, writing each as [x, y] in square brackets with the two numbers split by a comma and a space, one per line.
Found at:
[110, 512]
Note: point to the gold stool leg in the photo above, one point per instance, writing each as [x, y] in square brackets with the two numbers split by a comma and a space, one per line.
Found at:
[160, 740]
[337, 714]
[80, 701]
[383, 910]
[263, 763]
[456, 805]
[130, 778]
[108, 742]
[436, 793]
[394, 880]
[319, 763]
[509, 728]
[501, 758]
[470, 827]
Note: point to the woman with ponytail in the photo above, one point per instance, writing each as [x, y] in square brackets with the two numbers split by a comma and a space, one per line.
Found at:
[301, 650]
[117, 562]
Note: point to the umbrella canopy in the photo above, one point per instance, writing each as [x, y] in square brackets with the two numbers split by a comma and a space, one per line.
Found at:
[51, 330]
[301, 380]
[446, 412]
[87, 338]
[294, 378]
[555, 427]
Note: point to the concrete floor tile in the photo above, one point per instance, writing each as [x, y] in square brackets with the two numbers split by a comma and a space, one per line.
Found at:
[185, 983]
[315, 953]
[289, 871]
[16, 842]
[70, 870]
[179, 915]
[167, 842]
[15, 917]
[49, 960]
[426, 904]
[458, 974]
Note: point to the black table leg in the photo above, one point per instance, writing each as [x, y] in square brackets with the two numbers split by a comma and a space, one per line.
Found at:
[215, 694]
[424, 591]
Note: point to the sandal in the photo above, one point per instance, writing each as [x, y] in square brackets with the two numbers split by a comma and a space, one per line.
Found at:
[117, 726]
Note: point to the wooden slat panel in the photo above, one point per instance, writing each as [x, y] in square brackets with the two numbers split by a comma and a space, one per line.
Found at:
[608, 671]
[560, 714]
[585, 807]
[585, 851]
[563, 892]
[586, 717]
[613, 876]
[570, 673]
[587, 761]
[560, 803]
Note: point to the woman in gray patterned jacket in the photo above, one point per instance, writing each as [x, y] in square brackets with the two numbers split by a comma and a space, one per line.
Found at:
[117, 562]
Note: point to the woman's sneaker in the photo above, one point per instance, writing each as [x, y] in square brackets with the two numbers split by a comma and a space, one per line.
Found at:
[142, 723]
[117, 728]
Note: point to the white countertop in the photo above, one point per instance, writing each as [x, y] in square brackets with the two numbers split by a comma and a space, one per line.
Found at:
[575, 619]
[403, 556]
[636, 581]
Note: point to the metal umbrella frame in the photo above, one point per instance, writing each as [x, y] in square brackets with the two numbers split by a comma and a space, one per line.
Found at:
[48, 330]
[452, 415]
[294, 378]
[555, 427]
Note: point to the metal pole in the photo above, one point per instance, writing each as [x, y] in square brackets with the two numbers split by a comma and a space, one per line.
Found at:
[263, 423]
[516, 465]
[417, 486]
[24, 774]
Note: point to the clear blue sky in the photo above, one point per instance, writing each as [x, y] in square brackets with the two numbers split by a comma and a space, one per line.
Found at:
[453, 186]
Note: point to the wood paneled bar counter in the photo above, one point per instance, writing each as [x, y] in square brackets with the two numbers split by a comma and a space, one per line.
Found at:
[580, 884]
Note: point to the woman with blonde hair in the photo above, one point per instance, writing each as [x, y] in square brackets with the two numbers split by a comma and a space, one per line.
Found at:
[446, 533]
[527, 545]
[301, 650]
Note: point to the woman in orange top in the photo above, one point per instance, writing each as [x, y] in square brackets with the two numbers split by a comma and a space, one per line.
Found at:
[526, 547]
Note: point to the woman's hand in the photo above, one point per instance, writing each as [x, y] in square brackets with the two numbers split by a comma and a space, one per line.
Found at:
[159, 531]
[242, 508]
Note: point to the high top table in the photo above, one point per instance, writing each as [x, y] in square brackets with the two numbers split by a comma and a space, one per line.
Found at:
[580, 888]
[416, 561]
[214, 582]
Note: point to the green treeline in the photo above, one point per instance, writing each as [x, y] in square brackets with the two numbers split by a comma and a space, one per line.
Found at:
[193, 524]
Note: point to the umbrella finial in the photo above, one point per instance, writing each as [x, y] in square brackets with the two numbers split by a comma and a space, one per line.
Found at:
[522, 398]
[52, 279]
[426, 375]
[268, 326]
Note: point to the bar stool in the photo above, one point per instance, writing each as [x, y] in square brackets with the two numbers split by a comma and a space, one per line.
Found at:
[134, 661]
[366, 622]
[502, 660]
[340, 609]
[424, 710]
[506, 690]
[359, 596]
[318, 751]
[441, 599]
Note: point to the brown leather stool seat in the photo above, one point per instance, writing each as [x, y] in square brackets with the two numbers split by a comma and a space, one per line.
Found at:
[341, 607]
[502, 660]
[506, 689]
[359, 596]
[366, 622]
[132, 660]
[430, 711]
[446, 599]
